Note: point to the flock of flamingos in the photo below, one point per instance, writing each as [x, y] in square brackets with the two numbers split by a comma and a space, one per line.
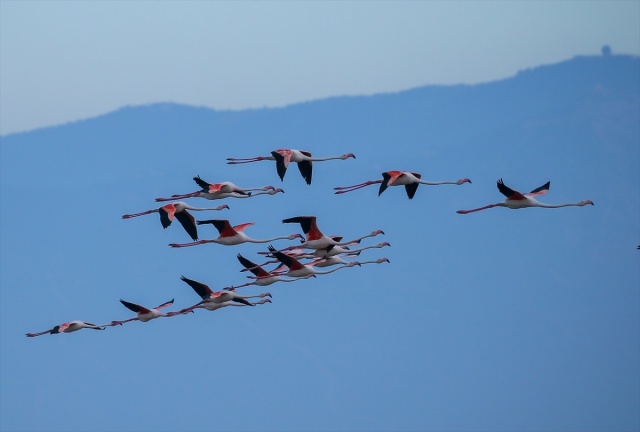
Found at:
[307, 259]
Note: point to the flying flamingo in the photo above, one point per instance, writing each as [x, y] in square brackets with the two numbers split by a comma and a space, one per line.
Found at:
[213, 191]
[68, 327]
[517, 200]
[326, 254]
[334, 260]
[263, 277]
[410, 181]
[144, 314]
[177, 210]
[283, 157]
[218, 297]
[314, 237]
[297, 269]
[215, 306]
[230, 236]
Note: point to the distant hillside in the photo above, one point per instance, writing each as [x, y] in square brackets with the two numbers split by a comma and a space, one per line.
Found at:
[583, 104]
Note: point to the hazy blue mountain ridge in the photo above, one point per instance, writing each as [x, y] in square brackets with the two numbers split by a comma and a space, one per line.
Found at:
[585, 102]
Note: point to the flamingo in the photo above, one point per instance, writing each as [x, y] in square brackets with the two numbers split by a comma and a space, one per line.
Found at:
[230, 236]
[177, 210]
[263, 277]
[334, 260]
[410, 181]
[213, 191]
[297, 269]
[215, 306]
[517, 200]
[331, 251]
[218, 297]
[68, 327]
[283, 157]
[314, 237]
[144, 314]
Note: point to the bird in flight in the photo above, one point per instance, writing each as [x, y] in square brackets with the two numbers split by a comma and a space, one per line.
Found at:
[177, 210]
[214, 191]
[283, 157]
[517, 200]
[143, 314]
[231, 235]
[68, 327]
[410, 181]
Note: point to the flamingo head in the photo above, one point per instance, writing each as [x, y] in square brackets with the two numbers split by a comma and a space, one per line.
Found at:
[463, 180]
[377, 232]
[381, 260]
[222, 207]
[585, 202]
[275, 191]
[264, 300]
[348, 155]
[265, 294]
[295, 236]
[383, 244]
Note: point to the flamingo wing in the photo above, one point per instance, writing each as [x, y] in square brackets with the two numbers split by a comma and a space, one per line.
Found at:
[203, 184]
[242, 227]
[214, 188]
[242, 300]
[167, 214]
[385, 183]
[411, 189]
[308, 225]
[306, 222]
[188, 223]
[201, 289]
[134, 307]
[306, 167]
[508, 192]
[252, 267]
[540, 190]
[290, 262]
[165, 304]
[282, 157]
[222, 225]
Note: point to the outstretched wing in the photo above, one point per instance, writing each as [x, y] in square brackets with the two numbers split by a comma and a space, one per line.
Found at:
[222, 225]
[201, 289]
[306, 167]
[308, 225]
[203, 184]
[411, 189]
[167, 213]
[282, 162]
[508, 192]
[252, 267]
[188, 223]
[163, 305]
[285, 259]
[541, 190]
[134, 307]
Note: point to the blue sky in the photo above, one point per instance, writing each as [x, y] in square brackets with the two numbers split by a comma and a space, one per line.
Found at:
[68, 60]
[495, 321]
